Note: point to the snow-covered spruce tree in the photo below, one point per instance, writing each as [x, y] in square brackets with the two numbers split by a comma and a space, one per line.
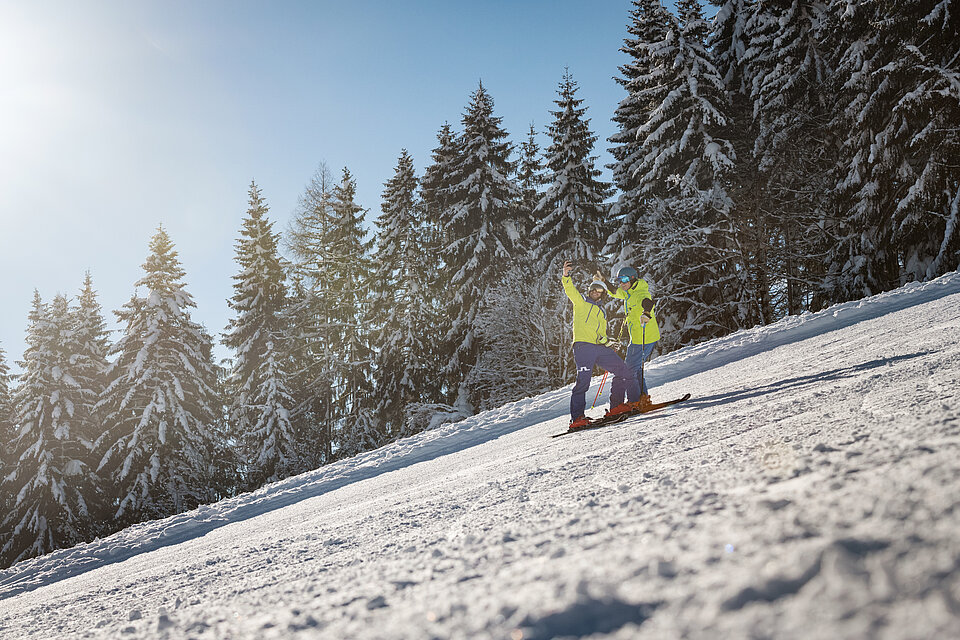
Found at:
[160, 403]
[313, 287]
[357, 430]
[531, 179]
[685, 239]
[898, 176]
[649, 22]
[518, 322]
[402, 303]
[757, 235]
[332, 265]
[6, 413]
[7, 432]
[789, 79]
[49, 483]
[261, 403]
[480, 229]
[431, 354]
[571, 215]
[87, 351]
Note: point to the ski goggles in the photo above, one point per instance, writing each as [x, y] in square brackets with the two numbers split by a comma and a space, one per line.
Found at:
[624, 279]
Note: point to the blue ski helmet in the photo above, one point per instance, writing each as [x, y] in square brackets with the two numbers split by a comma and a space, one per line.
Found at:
[629, 273]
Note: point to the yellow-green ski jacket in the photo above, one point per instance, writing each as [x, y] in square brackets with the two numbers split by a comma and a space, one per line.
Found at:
[589, 320]
[632, 298]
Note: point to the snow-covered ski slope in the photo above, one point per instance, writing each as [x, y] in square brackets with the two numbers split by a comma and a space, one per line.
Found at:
[809, 489]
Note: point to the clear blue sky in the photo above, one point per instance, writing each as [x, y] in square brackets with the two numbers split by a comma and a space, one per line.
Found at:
[118, 116]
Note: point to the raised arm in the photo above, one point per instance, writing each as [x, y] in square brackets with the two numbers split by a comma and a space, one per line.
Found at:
[568, 286]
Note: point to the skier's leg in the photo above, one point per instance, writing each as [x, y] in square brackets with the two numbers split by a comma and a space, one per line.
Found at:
[585, 357]
[634, 358]
[623, 377]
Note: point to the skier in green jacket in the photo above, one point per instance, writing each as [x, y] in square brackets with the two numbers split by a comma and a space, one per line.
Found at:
[641, 321]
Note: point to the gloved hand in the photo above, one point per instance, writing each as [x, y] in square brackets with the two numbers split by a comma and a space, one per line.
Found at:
[644, 319]
[613, 344]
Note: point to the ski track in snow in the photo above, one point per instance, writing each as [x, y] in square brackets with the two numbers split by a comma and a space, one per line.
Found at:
[810, 488]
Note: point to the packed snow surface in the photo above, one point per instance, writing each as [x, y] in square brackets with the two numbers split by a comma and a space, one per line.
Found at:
[809, 489]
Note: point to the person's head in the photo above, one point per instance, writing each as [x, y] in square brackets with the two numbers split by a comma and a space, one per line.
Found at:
[596, 291]
[626, 277]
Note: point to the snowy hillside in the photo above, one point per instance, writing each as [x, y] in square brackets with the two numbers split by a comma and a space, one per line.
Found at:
[810, 489]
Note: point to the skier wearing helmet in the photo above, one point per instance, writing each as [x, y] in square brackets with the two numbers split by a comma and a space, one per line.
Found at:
[641, 323]
[591, 346]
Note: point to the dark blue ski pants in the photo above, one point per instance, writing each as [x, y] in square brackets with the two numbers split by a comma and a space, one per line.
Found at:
[636, 355]
[588, 355]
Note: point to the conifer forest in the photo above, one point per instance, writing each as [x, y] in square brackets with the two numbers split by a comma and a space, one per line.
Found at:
[778, 158]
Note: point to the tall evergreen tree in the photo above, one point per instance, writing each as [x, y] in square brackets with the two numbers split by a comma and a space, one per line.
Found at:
[161, 399]
[686, 237]
[788, 75]
[353, 269]
[49, 508]
[435, 202]
[403, 300]
[756, 233]
[531, 179]
[89, 346]
[649, 22]
[261, 403]
[7, 432]
[480, 232]
[314, 287]
[331, 253]
[6, 412]
[571, 214]
[898, 181]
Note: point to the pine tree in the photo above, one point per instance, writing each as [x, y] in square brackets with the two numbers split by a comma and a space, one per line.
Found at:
[403, 303]
[897, 74]
[353, 271]
[331, 252]
[161, 399]
[571, 214]
[314, 288]
[49, 507]
[7, 431]
[435, 187]
[789, 78]
[6, 412]
[88, 349]
[756, 232]
[649, 22]
[261, 403]
[531, 179]
[481, 231]
[684, 235]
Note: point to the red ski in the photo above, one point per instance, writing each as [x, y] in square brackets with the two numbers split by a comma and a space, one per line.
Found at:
[602, 422]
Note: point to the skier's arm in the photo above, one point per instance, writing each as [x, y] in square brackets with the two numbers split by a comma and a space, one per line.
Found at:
[571, 290]
[611, 289]
[568, 286]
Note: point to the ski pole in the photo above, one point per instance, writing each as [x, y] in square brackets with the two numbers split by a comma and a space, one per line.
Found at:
[604, 379]
[643, 347]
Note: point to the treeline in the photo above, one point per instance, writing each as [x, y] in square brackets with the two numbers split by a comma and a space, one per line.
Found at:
[783, 157]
